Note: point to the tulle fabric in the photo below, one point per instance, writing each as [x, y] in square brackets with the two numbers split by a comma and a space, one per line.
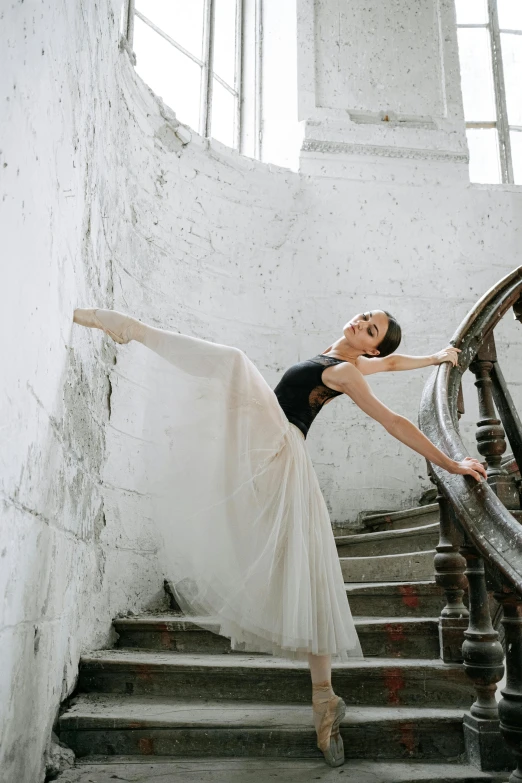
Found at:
[247, 539]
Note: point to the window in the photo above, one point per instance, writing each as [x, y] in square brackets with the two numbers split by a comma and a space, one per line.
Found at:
[490, 49]
[190, 53]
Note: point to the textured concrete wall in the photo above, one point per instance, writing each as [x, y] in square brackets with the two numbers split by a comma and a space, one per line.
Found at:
[65, 567]
[102, 204]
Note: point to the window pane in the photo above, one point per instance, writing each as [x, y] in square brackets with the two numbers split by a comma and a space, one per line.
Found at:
[181, 20]
[512, 60]
[171, 74]
[484, 160]
[510, 14]
[223, 114]
[476, 75]
[516, 152]
[225, 40]
[471, 11]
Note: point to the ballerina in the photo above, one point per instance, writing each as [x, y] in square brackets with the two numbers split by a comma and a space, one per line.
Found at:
[246, 531]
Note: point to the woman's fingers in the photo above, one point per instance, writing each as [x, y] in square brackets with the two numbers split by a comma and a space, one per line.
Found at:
[472, 467]
[453, 354]
[479, 467]
[449, 354]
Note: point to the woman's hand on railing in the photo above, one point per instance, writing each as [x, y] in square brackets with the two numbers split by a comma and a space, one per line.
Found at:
[449, 354]
[469, 467]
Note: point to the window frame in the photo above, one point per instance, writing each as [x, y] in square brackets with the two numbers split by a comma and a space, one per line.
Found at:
[207, 73]
[502, 123]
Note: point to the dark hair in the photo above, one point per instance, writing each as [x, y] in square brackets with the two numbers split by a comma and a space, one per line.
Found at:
[392, 339]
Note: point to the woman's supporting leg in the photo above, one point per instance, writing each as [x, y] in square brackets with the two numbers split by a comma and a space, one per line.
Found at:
[328, 709]
[320, 668]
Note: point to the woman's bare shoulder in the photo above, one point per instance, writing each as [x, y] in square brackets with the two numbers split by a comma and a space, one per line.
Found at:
[336, 376]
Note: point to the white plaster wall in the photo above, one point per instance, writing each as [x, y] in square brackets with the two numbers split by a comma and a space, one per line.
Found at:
[352, 73]
[101, 204]
[276, 262]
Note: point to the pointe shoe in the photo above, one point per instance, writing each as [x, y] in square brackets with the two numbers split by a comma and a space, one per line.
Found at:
[121, 327]
[327, 719]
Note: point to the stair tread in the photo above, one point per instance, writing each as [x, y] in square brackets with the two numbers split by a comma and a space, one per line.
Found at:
[366, 587]
[396, 556]
[126, 711]
[396, 621]
[414, 511]
[383, 535]
[240, 660]
[195, 622]
[102, 769]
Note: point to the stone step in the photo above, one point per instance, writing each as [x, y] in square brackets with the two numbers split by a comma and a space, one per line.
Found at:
[144, 769]
[123, 725]
[389, 542]
[401, 637]
[371, 682]
[395, 599]
[397, 520]
[389, 568]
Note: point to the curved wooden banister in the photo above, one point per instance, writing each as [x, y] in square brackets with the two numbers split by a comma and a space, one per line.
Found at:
[489, 525]
[480, 530]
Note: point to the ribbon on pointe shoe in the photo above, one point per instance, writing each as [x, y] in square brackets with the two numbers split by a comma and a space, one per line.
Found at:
[328, 712]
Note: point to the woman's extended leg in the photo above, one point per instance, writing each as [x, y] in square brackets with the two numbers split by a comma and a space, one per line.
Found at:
[328, 710]
[192, 355]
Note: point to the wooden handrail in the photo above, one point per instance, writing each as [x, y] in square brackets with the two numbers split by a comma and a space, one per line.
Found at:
[478, 522]
[487, 523]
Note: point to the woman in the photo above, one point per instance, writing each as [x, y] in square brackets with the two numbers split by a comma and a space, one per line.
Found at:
[246, 531]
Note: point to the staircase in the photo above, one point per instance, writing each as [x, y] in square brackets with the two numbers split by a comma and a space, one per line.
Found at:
[174, 692]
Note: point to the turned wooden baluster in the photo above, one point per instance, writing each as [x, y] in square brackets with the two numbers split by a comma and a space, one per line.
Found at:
[508, 413]
[510, 706]
[490, 434]
[482, 652]
[517, 310]
[504, 403]
[449, 574]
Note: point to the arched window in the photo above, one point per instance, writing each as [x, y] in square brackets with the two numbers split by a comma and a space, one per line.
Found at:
[490, 50]
[201, 57]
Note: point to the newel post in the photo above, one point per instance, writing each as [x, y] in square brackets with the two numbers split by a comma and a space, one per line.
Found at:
[490, 434]
[484, 664]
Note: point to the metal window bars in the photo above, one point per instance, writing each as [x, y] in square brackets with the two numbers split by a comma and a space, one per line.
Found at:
[502, 123]
[208, 74]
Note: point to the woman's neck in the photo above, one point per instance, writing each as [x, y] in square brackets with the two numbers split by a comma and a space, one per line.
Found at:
[341, 350]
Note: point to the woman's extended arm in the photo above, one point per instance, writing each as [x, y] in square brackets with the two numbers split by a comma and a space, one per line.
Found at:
[397, 361]
[352, 383]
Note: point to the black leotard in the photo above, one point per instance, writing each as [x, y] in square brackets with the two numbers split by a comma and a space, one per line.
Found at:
[302, 394]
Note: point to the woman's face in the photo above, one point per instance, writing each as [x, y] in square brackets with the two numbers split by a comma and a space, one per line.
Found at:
[366, 330]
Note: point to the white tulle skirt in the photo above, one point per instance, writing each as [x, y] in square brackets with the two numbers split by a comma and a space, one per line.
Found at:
[247, 539]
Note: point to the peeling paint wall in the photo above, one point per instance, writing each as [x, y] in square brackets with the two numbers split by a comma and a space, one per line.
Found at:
[101, 204]
[65, 567]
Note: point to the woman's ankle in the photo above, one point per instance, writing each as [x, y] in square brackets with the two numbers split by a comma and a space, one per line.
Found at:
[322, 692]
